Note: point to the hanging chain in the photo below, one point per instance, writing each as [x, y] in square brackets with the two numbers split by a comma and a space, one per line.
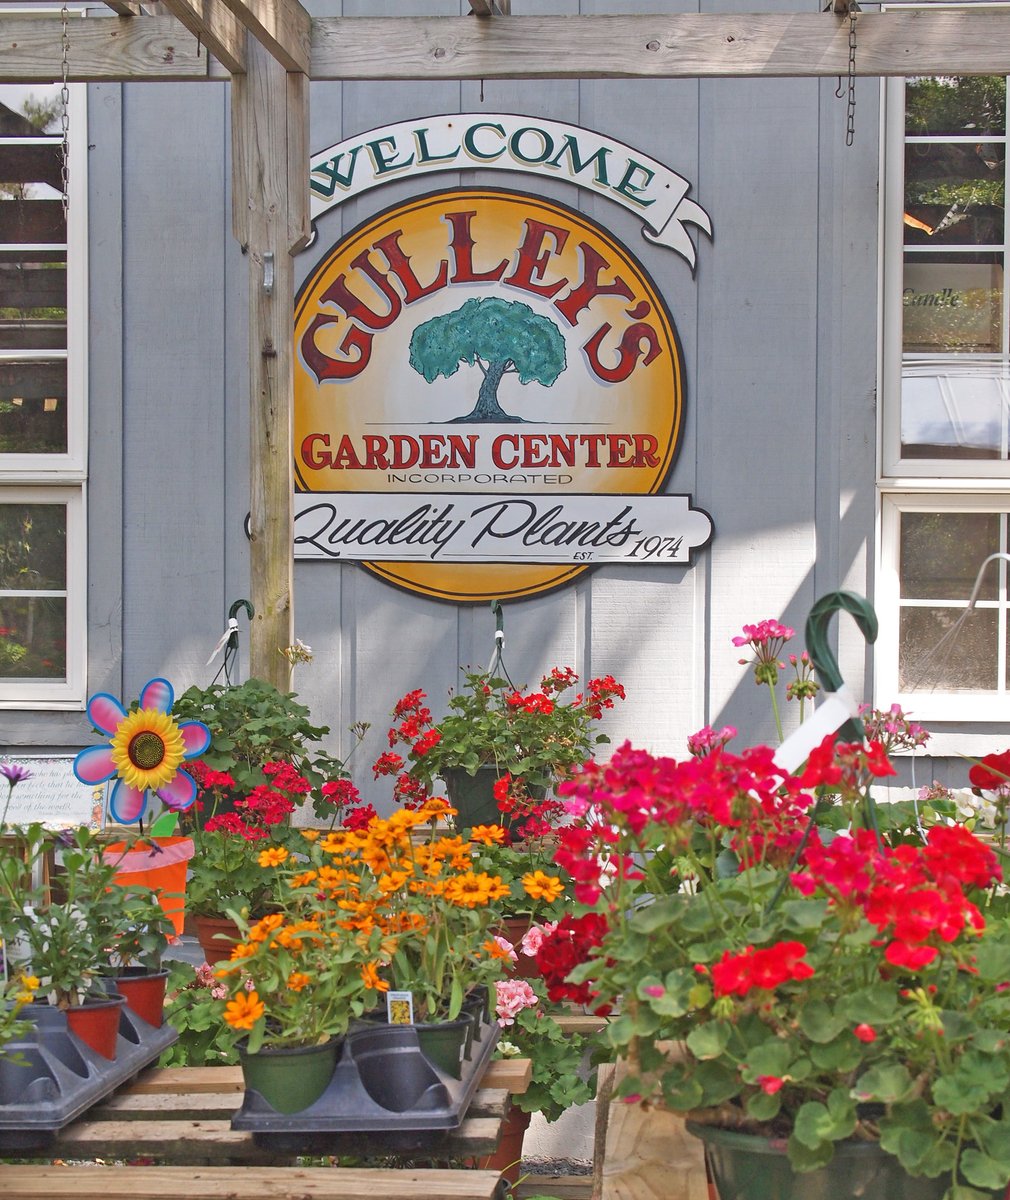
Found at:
[847, 89]
[65, 115]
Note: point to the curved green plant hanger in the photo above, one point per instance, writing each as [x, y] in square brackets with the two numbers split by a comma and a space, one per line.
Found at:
[821, 653]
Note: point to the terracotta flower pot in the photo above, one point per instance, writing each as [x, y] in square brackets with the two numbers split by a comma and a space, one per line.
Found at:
[507, 1159]
[96, 1023]
[217, 936]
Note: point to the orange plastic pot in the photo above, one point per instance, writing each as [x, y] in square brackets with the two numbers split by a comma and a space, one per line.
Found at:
[163, 870]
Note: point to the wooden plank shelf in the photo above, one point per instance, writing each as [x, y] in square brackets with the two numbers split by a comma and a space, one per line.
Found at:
[181, 1118]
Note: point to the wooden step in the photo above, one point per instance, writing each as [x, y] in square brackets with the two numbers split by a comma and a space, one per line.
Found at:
[248, 1183]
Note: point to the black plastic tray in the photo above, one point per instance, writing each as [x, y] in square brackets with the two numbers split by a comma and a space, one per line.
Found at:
[385, 1095]
[60, 1077]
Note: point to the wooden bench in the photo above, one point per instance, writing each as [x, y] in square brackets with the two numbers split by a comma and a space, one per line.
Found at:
[181, 1117]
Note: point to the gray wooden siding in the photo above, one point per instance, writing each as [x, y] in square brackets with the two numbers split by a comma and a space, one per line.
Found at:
[779, 333]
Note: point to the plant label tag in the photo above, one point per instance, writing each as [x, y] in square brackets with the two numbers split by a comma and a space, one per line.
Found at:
[400, 1008]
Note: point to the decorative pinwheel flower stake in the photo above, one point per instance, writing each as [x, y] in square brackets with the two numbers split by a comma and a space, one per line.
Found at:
[147, 747]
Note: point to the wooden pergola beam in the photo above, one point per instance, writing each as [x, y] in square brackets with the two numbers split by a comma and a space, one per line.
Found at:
[113, 49]
[283, 27]
[900, 42]
[690, 45]
[216, 27]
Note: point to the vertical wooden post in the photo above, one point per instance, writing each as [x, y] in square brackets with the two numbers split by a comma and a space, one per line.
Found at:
[269, 115]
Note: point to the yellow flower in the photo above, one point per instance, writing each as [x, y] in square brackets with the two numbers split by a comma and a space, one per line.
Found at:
[539, 886]
[265, 926]
[304, 879]
[147, 749]
[244, 1010]
[310, 835]
[273, 856]
[392, 881]
[488, 835]
[297, 980]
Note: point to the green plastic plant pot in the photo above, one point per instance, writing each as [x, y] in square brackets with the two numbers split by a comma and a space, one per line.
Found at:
[290, 1078]
[746, 1166]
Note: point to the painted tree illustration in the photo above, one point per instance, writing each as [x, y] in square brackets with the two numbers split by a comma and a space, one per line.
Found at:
[501, 337]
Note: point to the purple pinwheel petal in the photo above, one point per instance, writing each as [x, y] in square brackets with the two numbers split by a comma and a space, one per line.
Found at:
[127, 804]
[195, 737]
[14, 773]
[105, 712]
[179, 793]
[94, 765]
[159, 694]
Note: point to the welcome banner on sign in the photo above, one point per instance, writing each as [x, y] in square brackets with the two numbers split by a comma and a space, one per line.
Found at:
[506, 142]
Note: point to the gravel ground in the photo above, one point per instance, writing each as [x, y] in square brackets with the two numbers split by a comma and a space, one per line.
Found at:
[557, 1166]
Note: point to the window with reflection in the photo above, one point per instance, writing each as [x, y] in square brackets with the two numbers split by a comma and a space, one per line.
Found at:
[954, 333]
[42, 393]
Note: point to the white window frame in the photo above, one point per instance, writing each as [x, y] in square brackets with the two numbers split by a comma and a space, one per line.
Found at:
[69, 692]
[62, 478]
[917, 485]
[929, 703]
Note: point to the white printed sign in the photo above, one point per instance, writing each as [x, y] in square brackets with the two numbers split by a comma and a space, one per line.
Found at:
[52, 796]
[418, 527]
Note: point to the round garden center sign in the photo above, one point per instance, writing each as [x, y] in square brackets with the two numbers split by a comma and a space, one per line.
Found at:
[487, 385]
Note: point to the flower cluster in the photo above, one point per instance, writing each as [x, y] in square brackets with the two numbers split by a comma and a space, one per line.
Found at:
[822, 984]
[531, 738]
[358, 911]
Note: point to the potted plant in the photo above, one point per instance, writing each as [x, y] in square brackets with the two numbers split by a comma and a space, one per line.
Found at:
[139, 940]
[558, 1079]
[63, 942]
[833, 996]
[493, 731]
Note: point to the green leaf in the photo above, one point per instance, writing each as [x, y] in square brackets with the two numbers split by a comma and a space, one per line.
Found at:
[816, 1123]
[803, 1158]
[718, 1083]
[870, 1005]
[960, 1095]
[805, 914]
[982, 1171]
[842, 1055]
[761, 1107]
[709, 1040]
[773, 1057]
[885, 1082]
[819, 1022]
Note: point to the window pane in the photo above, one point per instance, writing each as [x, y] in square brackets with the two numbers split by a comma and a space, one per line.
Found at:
[954, 410]
[952, 303]
[33, 407]
[33, 547]
[33, 638]
[933, 655]
[941, 553]
[954, 193]
[956, 105]
[33, 300]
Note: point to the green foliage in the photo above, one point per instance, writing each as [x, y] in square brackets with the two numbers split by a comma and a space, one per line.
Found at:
[253, 723]
[558, 1062]
[964, 104]
[192, 1008]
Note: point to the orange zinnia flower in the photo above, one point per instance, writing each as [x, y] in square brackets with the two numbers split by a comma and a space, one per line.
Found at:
[297, 980]
[496, 951]
[488, 835]
[273, 856]
[370, 978]
[244, 1010]
[540, 886]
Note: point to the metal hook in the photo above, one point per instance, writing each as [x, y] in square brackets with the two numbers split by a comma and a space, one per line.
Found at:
[821, 654]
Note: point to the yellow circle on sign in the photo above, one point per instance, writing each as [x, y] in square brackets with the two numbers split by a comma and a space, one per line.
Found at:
[574, 387]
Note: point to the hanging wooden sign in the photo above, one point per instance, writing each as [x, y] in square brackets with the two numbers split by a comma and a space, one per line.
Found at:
[476, 346]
